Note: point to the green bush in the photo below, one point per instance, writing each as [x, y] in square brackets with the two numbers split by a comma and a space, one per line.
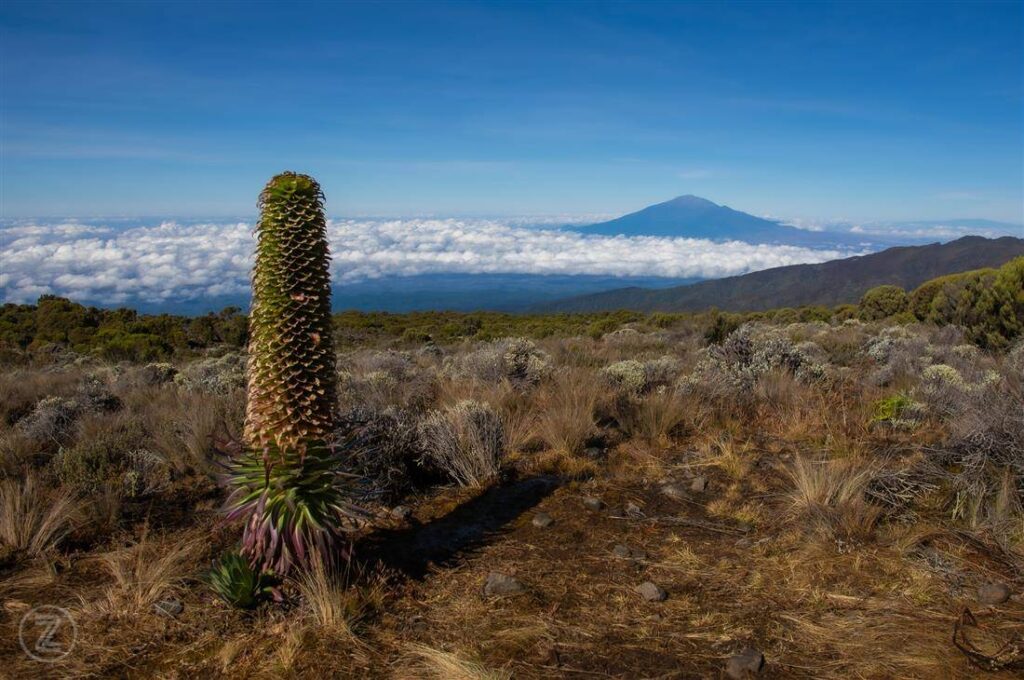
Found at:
[882, 302]
[892, 408]
[987, 303]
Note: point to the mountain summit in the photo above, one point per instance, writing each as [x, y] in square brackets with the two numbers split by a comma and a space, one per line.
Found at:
[691, 216]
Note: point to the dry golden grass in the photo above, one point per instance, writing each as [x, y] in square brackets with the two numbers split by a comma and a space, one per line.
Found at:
[328, 602]
[831, 493]
[143, 573]
[422, 662]
[34, 519]
[565, 409]
[184, 426]
[652, 417]
[725, 453]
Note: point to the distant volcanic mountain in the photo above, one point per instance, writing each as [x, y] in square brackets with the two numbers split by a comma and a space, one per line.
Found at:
[695, 217]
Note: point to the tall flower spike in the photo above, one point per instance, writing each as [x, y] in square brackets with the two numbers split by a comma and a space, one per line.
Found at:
[291, 356]
[286, 485]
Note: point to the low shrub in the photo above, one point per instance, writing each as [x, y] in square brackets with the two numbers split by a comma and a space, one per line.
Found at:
[214, 375]
[385, 446]
[898, 410]
[734, 367]
[101, 453]
[517, 360]
[466, 441]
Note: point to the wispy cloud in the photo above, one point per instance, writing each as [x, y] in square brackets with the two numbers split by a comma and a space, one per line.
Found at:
[172, 261]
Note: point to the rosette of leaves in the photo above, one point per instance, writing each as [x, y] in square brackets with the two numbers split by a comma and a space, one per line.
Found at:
[286, 483]
[235, 581]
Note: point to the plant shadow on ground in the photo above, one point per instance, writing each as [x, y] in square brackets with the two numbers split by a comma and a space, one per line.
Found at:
[412, 550]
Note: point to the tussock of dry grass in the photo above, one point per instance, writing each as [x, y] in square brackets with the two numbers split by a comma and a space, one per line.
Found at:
[565, 410]
[427, 662]
[143, 573]
[34, 519]
[328, 602]
[832, 493]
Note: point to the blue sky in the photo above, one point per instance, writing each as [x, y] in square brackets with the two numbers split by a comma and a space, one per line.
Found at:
[851, 111]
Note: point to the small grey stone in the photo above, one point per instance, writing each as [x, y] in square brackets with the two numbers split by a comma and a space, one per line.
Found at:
[171, 606]
[401, 512]
[651, 592]
[542, 520]
[674, 491]
[498, 584]
[993, 593]
[593, 503]
[747, 663]
[632, 509]
[699, 484]
[622, 551]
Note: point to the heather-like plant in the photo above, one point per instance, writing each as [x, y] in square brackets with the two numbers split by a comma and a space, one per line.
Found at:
[517, 360]
[466, 441]
[287, 485]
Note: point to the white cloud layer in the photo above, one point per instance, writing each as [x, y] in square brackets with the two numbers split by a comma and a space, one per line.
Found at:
[171, 261]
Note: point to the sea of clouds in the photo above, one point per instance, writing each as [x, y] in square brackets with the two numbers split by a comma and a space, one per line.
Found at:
[171, 261]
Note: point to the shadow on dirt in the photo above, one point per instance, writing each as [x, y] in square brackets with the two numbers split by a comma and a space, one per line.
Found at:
[444, 541]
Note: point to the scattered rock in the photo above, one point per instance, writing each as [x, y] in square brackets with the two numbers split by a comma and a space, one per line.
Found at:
[593, 503]
[993, 593]
[498, 584]
[674, 491]
[699, 484]
[625, 552]
[633, 510]
[542, 520]
[651, 592]
[171, 606]
[746, 664]
[417, 623]
[401, 512]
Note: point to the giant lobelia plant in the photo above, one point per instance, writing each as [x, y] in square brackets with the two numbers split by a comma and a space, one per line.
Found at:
[286, 484]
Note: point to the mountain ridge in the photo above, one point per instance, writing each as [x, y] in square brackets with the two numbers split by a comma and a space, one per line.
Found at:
[828, 283]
